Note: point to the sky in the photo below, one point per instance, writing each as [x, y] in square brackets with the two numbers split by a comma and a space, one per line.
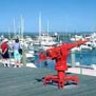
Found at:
[60, 15]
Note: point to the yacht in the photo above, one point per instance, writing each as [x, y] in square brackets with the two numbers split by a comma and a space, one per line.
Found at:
[45, 41]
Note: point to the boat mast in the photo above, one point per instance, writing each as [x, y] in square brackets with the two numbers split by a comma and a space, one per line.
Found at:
[14, 28]
[9, 35]
[47, 27]
[22, 37]
[21, 26]
[39, 24]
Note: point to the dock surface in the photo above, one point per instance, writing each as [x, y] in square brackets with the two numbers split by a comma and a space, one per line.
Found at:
[27, 82]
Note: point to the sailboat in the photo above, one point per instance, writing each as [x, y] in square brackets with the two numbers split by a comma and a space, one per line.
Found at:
[44, 39]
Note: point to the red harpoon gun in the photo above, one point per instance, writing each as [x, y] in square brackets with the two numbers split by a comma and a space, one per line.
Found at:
[60, 54]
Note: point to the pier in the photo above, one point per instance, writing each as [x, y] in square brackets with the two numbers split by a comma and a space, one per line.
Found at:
[27, 81]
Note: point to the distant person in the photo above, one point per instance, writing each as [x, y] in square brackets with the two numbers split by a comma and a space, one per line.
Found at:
[4, 52]
[17, 52]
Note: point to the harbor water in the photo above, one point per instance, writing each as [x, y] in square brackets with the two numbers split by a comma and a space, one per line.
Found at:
[84, 57]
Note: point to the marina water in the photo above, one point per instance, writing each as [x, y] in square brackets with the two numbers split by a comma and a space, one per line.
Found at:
[84, 57]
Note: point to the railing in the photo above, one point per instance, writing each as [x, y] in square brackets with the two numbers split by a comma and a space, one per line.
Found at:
[83, 58]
